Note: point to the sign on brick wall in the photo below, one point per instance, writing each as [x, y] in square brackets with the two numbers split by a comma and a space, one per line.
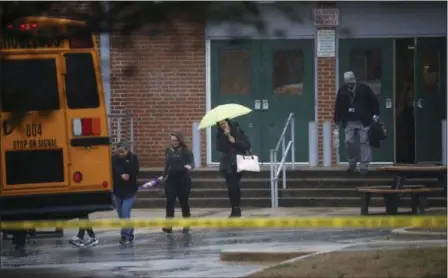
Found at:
[326, 43]
[326, 17]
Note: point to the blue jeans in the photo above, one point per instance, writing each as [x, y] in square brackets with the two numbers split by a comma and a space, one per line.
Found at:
[124, 207]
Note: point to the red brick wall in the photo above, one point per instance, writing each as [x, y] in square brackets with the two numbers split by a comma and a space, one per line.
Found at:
[326, 96]
[326, 86]
[161, 81]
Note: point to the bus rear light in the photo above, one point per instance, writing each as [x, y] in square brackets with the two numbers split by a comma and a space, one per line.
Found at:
[86, 127]
[77, 177]
[23, 26]
[105, 184]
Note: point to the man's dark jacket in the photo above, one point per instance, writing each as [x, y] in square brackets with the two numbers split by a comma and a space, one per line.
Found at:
[125, 165]
[228, 150]
[365, 100]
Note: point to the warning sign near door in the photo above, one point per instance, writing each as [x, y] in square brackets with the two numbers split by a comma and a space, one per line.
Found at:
[326, 43]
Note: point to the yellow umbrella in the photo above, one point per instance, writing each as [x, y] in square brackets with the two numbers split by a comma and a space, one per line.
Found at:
[221, 112]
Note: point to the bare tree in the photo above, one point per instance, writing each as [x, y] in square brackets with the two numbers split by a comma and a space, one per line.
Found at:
[153, 17]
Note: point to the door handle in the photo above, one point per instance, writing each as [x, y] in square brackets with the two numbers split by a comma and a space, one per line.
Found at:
[7, 129]
[265, 104]
[420, 103]
[257, 104]
[250, 125]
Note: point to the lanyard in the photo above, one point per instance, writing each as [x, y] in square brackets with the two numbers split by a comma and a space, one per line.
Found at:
[352, 96]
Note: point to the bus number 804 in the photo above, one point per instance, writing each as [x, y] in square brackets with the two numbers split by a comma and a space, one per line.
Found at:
[33, 130]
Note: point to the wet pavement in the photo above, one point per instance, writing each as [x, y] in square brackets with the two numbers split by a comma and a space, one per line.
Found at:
[160, 255]
[156, 254]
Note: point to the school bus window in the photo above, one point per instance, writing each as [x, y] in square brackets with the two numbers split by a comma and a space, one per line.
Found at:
[37, 166]
[80, 81]
[29, 85]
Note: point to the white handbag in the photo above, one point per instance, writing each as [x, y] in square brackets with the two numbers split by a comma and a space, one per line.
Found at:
[248, 163]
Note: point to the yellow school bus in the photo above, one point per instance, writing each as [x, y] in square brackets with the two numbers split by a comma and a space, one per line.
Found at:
[55, 148]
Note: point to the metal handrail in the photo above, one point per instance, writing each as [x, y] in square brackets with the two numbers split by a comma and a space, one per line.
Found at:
[119, 117]
[277, 167]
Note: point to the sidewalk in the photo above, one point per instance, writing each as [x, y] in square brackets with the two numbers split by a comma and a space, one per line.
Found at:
[254, 212]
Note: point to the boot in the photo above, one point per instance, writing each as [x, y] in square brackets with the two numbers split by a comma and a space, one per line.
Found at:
[236, 212]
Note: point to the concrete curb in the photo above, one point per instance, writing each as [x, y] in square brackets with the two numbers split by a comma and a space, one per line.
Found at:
[404, 231]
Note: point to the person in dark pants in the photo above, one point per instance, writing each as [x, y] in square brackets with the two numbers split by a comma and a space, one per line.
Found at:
[355, 109]
[125, 168]
[78, 240]
[179, 161]
[230, 141]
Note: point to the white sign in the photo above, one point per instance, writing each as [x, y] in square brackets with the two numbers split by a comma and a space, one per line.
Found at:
[326, 17]
[326, 43]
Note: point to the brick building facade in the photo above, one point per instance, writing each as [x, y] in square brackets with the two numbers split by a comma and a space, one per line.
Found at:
[161, 81]
[177, 76]
[171, 80]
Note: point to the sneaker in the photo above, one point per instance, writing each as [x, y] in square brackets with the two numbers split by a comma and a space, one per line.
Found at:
[167, 230]
[92, 242]
[125, 241]
[77, 242]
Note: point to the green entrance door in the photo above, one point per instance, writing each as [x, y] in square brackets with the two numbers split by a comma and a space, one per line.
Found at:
[372, 62]
[288, 87]
[272, 77]
[235, 79]
[430, 98]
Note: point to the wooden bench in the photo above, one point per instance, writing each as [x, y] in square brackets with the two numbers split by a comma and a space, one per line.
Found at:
[402, 172]
[392, 197]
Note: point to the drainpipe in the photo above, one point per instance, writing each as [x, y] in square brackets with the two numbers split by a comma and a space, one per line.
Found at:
[105, 60]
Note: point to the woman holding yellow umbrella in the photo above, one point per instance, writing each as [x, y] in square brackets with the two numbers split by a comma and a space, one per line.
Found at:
[230, 141]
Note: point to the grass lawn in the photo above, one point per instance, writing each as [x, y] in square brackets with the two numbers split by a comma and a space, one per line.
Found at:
[415, 262]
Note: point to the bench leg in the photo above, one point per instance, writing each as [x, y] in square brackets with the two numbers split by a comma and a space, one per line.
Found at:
[391, 201]
[414, 203]
[365, 203]
[421, 203]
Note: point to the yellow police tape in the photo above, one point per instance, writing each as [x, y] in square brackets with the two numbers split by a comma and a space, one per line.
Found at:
[275, 222]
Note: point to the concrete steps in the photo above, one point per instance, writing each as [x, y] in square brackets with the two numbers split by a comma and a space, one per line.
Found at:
[266, 193]
[300, 183]
[214, 202]
[305, 187]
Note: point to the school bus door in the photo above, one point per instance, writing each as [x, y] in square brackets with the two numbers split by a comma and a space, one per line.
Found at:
[86, 116]
[34, 141]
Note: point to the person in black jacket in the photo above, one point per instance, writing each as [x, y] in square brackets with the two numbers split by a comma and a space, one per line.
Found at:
[355, 109]
[230, 141]
[125, 168]
[179, 161]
